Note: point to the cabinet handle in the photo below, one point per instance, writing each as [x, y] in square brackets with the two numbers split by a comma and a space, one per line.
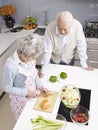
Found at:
[95, 50]
[90, 61]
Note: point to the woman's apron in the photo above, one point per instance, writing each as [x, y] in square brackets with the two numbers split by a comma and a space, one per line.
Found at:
[18, 103]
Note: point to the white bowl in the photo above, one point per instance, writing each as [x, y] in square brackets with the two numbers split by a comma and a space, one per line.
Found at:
[70, 96]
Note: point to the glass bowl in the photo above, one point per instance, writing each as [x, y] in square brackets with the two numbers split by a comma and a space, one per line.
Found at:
[62, 118]
[70, 96]
[79, 115]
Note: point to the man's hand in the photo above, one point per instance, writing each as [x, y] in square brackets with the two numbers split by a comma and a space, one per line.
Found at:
[41, 75]
[90, 68]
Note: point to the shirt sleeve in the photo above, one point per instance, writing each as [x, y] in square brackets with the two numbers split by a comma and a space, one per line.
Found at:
[47, 53]
[9, 73]
[38, 82]
[82, 48]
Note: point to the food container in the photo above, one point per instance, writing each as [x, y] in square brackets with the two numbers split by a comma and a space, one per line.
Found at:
[79, 115]
[62, 118]
[70, 96]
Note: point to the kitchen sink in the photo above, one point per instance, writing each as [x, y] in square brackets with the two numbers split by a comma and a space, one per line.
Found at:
[40, 31]
[15, 29]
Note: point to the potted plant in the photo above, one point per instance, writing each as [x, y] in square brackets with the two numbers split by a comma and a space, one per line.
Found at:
[7, 11]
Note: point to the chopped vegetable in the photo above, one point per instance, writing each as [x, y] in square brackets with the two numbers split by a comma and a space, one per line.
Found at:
[63, 75]
[41, 123]
[45, 104]
[53, 78]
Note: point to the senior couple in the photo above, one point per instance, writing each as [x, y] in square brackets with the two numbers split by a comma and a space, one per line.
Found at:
[21, 80]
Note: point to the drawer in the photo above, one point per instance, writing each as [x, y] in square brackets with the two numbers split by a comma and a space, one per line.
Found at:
[90, 63]
[93, 64]
[92, 46]
[77, 62]
[92, 55]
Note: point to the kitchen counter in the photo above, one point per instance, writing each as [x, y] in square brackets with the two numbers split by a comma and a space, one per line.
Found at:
[92, 40]
[77, 76]
[7, 39]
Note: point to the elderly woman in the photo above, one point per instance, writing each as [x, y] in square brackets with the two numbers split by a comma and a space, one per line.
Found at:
[63, 37]
[20, 77]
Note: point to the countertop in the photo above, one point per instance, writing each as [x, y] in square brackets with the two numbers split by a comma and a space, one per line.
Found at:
[7, 39]
[77, 76]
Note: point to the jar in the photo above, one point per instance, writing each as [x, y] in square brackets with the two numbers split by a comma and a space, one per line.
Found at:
[9, 21]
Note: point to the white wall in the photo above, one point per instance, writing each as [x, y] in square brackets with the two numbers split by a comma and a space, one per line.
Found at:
[0, 16]
[81, 9]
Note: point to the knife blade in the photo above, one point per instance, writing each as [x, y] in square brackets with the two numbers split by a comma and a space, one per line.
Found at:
[47, 94]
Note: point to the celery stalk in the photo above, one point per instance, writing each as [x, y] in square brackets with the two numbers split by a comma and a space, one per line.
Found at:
[40, 123]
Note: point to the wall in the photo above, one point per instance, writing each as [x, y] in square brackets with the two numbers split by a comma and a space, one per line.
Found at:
[81, 9]
[0, 16]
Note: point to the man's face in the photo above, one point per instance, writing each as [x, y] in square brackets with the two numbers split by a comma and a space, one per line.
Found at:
[63, 27]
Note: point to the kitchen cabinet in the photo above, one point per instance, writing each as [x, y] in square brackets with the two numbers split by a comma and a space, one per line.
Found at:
[3, 57]
[92, 52]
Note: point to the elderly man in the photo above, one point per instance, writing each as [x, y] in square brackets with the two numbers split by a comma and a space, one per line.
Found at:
[63, 37]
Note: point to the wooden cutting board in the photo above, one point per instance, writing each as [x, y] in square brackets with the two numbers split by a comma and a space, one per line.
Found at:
[51, 98]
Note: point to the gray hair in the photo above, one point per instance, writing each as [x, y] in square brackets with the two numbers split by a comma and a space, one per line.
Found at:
[31, 44]
[66, 15]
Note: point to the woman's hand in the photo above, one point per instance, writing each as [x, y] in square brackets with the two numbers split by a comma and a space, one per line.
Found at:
[43, 90]
[31, 94]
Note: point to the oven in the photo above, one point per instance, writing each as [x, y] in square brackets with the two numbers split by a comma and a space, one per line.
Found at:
[91, 28]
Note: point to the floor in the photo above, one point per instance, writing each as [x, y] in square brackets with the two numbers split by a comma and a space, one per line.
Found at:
[7, 119]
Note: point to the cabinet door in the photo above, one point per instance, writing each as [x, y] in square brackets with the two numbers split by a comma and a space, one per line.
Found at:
[92, 53]
[2, 61]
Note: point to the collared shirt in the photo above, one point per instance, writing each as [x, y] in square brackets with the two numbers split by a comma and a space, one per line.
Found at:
[81, 48]
[13, 82]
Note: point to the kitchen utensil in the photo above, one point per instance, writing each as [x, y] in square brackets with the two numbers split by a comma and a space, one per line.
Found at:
[51, 98]
[47, 94]
[15, 29]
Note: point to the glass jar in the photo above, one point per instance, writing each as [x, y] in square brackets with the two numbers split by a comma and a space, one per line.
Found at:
[9, 21]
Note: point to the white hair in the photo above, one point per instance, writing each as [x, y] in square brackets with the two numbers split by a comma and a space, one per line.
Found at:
[31, 44]
[65, 15]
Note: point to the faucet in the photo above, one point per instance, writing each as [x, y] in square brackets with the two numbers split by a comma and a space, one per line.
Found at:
[45, 17]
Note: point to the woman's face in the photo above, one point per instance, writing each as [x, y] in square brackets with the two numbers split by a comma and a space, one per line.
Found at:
[26, 59]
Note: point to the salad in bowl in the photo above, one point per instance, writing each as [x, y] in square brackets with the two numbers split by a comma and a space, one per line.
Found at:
[70, 96]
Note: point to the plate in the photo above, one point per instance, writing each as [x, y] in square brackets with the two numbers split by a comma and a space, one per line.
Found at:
[16, 29]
